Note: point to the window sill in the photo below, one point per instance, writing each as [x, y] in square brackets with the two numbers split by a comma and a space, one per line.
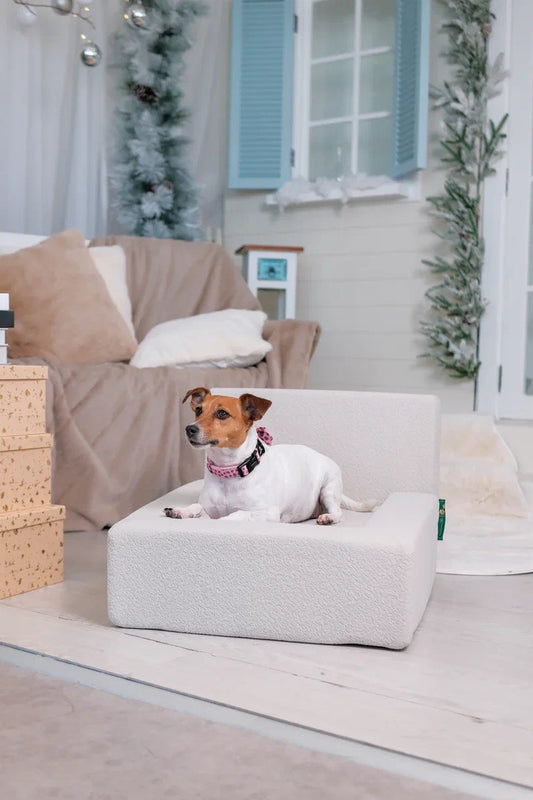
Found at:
[300, 192]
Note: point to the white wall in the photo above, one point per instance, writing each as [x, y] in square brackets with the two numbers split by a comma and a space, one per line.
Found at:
[361, 277]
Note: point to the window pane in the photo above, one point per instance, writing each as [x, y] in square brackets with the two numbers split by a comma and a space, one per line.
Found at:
[528, 383]
[377, 77]
[377, 27]
[333, 27]
[330, 150]
[332, 89]
[375, 146]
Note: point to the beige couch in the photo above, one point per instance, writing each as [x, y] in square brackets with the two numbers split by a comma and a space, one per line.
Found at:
[118, 430]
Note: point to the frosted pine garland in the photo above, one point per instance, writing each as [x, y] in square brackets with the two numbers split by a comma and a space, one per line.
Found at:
[471, 144]
[153, 193]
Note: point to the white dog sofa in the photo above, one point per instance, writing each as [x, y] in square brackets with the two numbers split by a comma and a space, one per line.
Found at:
[364, 581]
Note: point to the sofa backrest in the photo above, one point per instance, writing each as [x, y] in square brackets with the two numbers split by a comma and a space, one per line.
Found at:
[11, 242]
[169, 279]
[383, 442]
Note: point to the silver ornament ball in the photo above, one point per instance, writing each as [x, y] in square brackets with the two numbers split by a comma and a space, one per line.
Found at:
[137, 14]
[91, 55]
[63, 6]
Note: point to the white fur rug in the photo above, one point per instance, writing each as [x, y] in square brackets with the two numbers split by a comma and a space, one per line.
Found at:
[489, 519]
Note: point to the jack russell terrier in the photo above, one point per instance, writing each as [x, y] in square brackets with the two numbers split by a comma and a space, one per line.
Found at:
[245, 480]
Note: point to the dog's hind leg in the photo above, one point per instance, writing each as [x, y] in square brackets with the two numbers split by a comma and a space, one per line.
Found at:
[330, 499]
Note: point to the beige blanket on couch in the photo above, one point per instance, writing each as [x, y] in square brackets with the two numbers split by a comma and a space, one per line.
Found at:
[118, 430]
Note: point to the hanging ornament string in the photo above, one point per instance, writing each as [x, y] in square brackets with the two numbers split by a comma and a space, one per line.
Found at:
[64, 7]
[90, 55]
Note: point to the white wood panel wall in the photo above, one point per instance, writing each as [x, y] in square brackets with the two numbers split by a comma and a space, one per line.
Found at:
[362, 278]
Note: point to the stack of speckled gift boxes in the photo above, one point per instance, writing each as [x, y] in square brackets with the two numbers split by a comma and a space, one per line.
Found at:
[31, 528]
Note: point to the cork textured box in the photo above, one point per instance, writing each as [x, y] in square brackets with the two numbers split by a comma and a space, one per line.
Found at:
[22, 399]
[31, 550]
[25, 471]
[31, 529]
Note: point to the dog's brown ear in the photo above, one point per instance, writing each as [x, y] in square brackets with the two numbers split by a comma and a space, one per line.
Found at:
[254, 407]
[197, 396]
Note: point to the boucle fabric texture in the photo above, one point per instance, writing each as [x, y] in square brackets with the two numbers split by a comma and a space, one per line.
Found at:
[364, 581]
[63, 310]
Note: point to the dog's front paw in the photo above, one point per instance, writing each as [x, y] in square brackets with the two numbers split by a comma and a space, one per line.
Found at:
[174, 513]
[325, 519]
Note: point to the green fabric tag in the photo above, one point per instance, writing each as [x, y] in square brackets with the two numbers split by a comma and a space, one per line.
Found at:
[442, 519]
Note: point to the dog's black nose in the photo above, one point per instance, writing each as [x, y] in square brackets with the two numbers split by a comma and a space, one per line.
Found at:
[191, 430]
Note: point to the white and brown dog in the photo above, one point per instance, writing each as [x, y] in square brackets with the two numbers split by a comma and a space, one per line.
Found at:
[246, 480]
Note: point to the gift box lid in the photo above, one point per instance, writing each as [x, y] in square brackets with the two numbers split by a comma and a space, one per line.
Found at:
[23, 372]
[25, 441]
[27, 517]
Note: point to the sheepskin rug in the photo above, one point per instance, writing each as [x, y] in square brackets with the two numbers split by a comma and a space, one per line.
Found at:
[489, 517]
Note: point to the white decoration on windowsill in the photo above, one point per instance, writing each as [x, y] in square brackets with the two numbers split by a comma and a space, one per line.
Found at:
[351, 187]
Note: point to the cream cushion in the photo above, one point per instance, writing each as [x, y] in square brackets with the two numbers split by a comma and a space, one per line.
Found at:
[229, 338]
[111, 264]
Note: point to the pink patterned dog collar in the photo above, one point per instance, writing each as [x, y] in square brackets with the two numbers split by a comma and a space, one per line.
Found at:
[248, 465]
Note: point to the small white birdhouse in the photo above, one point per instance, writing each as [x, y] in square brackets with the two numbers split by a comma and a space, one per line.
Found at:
[271, 275]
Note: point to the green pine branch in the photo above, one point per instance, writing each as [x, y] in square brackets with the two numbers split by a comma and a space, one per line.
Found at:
[153, 192]
[471, 145]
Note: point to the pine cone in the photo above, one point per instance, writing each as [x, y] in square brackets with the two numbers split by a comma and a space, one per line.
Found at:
[144, 93]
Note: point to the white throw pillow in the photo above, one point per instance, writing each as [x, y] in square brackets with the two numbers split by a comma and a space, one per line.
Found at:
[110, 261]
[230, 338]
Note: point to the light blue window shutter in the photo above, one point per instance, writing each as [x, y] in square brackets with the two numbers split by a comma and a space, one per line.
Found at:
[411, 86]
[261, 93]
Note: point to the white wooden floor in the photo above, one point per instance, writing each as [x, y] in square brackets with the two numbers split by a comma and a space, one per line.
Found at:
[460, 695]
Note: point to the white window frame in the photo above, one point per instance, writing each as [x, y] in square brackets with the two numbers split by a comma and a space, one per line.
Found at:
[303, 62]
[406, 188]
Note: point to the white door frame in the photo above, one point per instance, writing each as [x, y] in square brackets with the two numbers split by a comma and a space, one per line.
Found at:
[514, 402]
[507, 224]
[494, 231]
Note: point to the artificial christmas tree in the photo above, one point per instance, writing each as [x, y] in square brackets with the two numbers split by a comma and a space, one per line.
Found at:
[153, 192]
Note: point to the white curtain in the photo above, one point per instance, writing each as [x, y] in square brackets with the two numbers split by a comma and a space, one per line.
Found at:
[52, 131]
[206, 92]
[54, 113]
